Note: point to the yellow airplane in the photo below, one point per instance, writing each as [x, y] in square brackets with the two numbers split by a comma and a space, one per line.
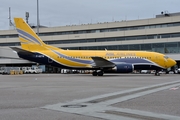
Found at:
[34, 49]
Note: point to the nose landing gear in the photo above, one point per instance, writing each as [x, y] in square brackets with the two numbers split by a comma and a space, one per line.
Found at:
[157, 73]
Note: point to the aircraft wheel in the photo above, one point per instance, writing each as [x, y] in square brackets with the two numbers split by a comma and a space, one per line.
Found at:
[100, 73]
[94, 73]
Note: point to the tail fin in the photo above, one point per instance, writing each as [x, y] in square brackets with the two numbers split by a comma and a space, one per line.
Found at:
[28, 38]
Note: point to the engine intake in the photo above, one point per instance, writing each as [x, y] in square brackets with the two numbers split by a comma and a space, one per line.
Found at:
[124, 68]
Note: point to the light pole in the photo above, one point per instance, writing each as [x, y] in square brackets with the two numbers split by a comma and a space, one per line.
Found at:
[37, 17]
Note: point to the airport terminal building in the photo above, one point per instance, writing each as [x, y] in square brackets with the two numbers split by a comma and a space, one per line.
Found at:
[159, 34]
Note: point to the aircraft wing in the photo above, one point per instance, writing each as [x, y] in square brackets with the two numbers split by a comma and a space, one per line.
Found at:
[102, 63]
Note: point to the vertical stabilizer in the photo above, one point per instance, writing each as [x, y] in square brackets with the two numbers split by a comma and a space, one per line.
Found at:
[28, 38]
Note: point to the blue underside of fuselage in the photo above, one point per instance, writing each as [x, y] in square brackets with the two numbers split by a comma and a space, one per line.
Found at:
[39, 58]
[139, 64]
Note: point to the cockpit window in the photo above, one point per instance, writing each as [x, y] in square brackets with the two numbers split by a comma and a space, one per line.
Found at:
[166, 57]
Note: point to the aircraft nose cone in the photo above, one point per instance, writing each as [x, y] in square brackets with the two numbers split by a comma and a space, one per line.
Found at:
[173, 62]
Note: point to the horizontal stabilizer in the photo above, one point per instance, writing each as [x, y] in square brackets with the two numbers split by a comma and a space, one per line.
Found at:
[102, 63]
[19, 50]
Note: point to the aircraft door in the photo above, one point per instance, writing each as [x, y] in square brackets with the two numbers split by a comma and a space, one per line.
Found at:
[50, 60]
[160, 60]
[157, 59]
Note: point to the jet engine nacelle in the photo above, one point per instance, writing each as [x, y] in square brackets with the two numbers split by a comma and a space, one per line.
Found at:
[124, 68]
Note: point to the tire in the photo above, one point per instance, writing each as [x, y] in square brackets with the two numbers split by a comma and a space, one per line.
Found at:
[100, 73]
[94, 73]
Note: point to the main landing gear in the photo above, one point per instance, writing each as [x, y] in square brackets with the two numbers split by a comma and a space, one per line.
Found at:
[98, 73]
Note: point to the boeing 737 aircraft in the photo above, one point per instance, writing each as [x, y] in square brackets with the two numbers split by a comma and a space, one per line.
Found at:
[34, 49]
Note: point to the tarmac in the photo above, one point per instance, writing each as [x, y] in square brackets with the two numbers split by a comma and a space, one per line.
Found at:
[86, 97]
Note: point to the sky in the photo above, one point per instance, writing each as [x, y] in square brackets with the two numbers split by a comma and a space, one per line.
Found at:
[75, 12]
